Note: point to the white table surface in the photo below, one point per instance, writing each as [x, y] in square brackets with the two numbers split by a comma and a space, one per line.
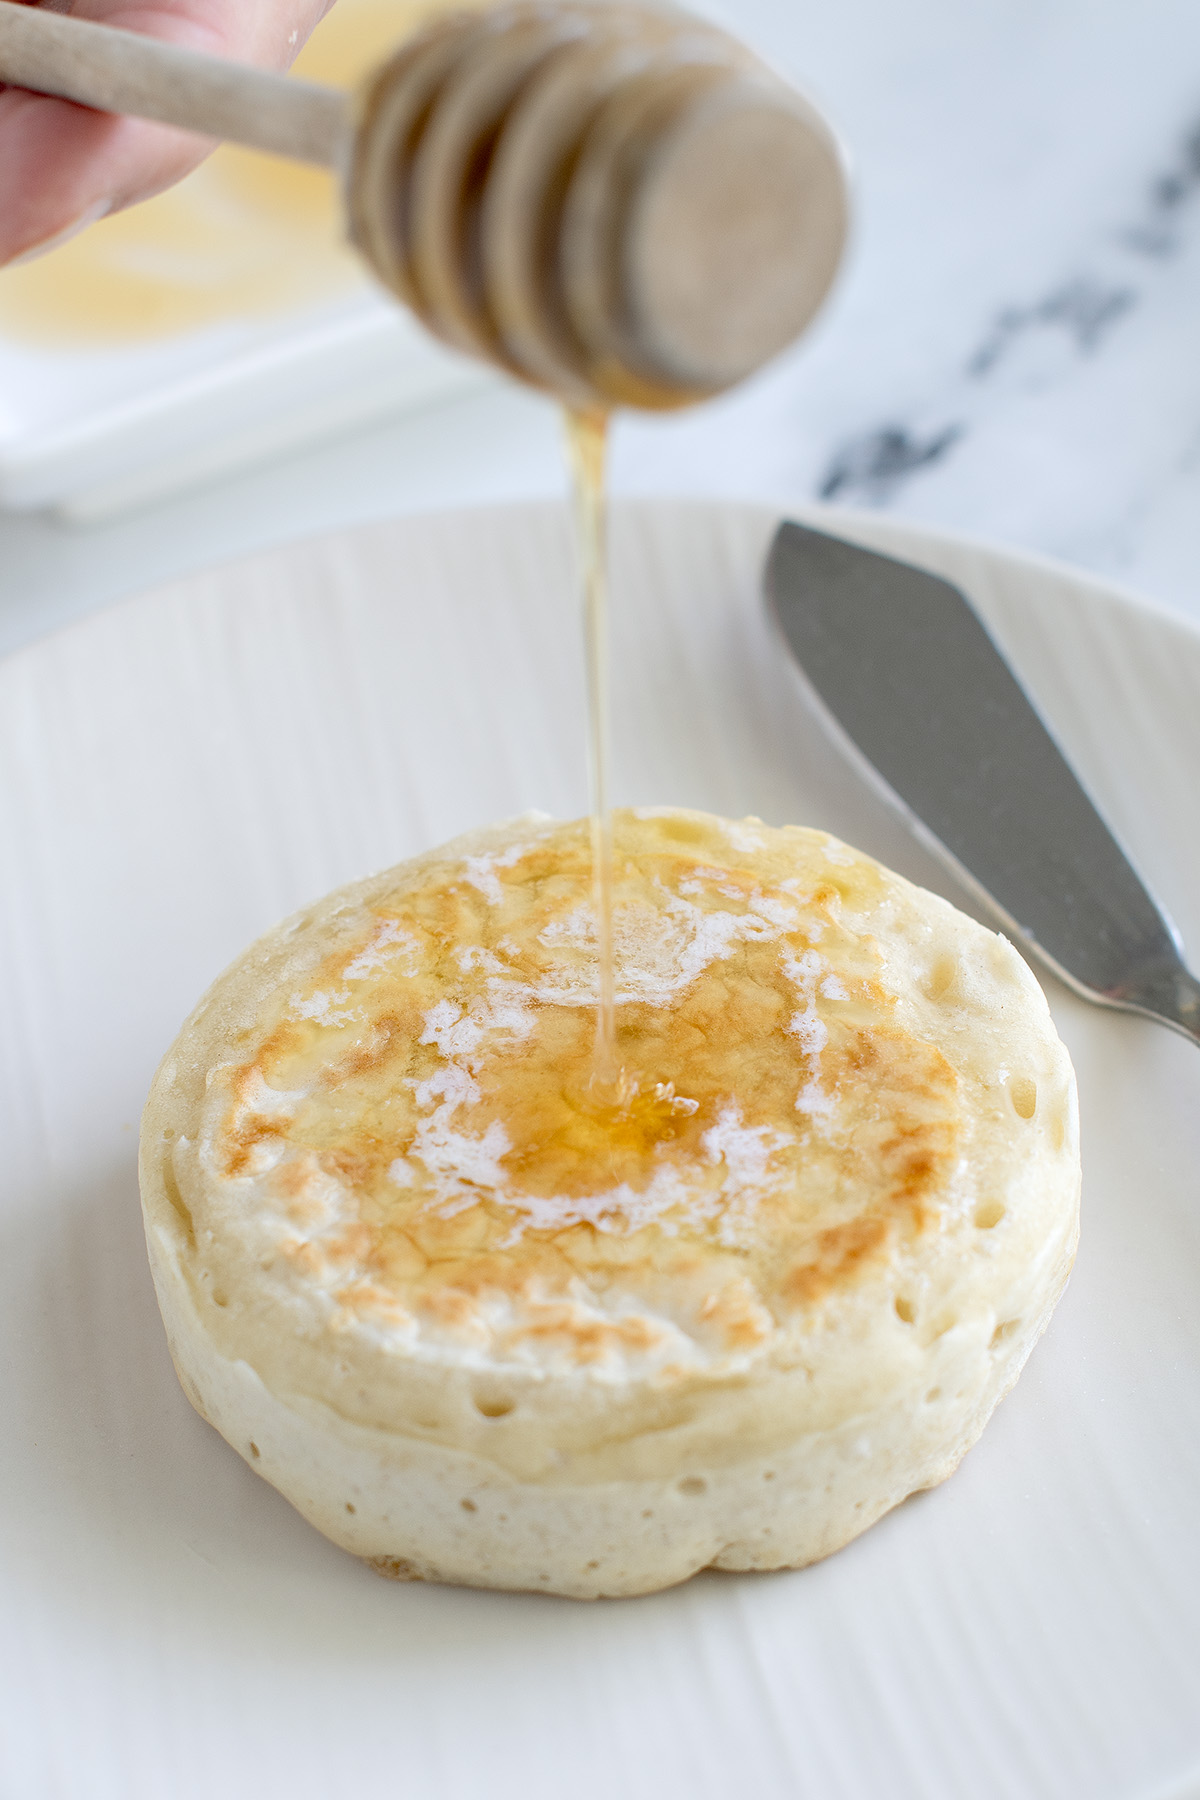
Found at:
[1013, 350]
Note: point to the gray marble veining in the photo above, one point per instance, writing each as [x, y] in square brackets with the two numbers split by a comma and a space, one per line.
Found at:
[1040, 363]
[1015, 351]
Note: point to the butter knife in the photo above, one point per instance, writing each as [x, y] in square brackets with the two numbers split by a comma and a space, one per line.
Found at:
[907, 680]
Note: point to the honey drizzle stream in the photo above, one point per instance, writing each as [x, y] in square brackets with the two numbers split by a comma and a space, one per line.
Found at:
[587, 439]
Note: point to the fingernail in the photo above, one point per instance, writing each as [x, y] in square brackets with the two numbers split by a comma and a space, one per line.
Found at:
[61, 237]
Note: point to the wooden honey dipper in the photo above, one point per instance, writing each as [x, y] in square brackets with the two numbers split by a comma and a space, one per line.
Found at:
[616, 202]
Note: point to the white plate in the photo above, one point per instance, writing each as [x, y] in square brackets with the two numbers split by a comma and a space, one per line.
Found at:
[175, 774]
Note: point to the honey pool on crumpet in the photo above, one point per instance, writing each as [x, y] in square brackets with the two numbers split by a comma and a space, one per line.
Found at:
[481, 1324]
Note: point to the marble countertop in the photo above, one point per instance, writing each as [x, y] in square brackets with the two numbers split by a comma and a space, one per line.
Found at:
[1012, 351]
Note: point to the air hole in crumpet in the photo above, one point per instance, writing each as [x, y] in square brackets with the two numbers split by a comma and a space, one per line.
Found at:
[942, 977]
[494, 1406]
[1023, 1094]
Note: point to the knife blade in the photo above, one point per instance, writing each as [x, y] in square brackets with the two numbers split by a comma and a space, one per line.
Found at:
[908, 681]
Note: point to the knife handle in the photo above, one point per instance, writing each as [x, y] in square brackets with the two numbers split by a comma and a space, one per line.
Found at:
[1171, 995]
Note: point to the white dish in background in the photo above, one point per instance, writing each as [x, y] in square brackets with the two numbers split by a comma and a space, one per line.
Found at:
[209, 328]
[94, 431]
[183, 769]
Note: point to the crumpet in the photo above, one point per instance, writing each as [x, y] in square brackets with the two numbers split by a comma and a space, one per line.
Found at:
[481, 1325]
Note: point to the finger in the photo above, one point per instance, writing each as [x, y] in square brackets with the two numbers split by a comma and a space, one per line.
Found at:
[61, 164]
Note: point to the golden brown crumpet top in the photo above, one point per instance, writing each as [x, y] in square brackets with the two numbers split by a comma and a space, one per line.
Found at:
[394, 1145]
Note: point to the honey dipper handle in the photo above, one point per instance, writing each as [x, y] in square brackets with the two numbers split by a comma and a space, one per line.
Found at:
[123, 72]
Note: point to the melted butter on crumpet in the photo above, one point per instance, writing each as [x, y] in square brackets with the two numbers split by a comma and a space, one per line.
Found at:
[409, 1136]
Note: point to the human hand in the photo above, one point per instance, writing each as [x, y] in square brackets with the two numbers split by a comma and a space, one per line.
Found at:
[62, 165]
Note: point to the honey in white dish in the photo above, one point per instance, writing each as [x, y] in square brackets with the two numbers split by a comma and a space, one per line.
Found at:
[245, 234]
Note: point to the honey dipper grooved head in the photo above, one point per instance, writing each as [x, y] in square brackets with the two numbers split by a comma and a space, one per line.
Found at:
[617, 203]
